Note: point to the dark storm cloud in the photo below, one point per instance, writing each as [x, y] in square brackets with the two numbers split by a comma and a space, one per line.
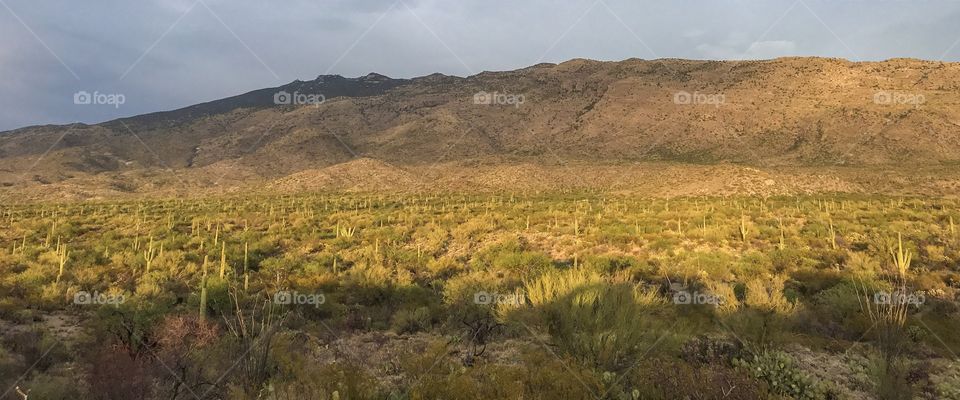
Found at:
[167, 54]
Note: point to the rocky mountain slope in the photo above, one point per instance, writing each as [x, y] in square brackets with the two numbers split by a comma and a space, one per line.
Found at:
[563, 120]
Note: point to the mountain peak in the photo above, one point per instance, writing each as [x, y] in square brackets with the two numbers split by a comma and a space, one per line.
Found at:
[373, 76]
[328, 78]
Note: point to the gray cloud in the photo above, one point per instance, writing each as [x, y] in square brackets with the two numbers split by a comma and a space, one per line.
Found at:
[261, 44]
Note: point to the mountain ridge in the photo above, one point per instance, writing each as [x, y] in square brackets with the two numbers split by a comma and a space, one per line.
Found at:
[765, 113]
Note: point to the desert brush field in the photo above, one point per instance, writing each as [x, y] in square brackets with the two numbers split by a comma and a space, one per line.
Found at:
[548, 295]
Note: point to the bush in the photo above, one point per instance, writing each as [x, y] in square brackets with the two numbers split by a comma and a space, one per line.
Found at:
[298, 377]
[598, 322]
[411, 321]
[43, 386]
[706, 350]
[777, 369]
[115, 375]
[673, 379]
[946, 384]
[836, 312]
[538, 375]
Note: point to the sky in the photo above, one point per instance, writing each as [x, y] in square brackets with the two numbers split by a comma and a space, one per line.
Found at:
[135, 57]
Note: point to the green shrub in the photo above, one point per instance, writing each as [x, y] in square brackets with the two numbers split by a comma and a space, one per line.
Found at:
[299, 378]
[411, 321]
[836, 312]
[537, 375]
[44, 386]
[601, 323]
[946, 383]
[777, 369]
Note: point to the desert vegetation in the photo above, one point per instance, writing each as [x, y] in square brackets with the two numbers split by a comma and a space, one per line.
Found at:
[470, 296]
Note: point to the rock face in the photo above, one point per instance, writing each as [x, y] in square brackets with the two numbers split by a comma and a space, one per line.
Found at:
[791, 112]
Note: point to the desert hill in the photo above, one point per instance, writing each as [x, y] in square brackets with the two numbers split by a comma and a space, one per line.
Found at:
[580, 122]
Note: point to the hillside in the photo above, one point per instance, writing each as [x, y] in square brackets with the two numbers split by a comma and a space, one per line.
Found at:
[579, 120]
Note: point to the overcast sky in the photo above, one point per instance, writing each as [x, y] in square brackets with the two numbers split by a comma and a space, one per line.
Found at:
[166, 54]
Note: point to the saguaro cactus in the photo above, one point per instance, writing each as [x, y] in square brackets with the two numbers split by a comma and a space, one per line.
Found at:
[901, 258]
[62, 257]
[782, 245]
[203, 290]
[26, 394]
[223, 259]
[743, 228]
[833, 235]
[150, 255]
[246, 266]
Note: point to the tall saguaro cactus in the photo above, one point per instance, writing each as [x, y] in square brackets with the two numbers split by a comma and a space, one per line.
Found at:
[781, 245]
[203, 290]
[150, 255]
[246, 266]
[833, 235]
[223, 259]
[62, 257]
[743, 228]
